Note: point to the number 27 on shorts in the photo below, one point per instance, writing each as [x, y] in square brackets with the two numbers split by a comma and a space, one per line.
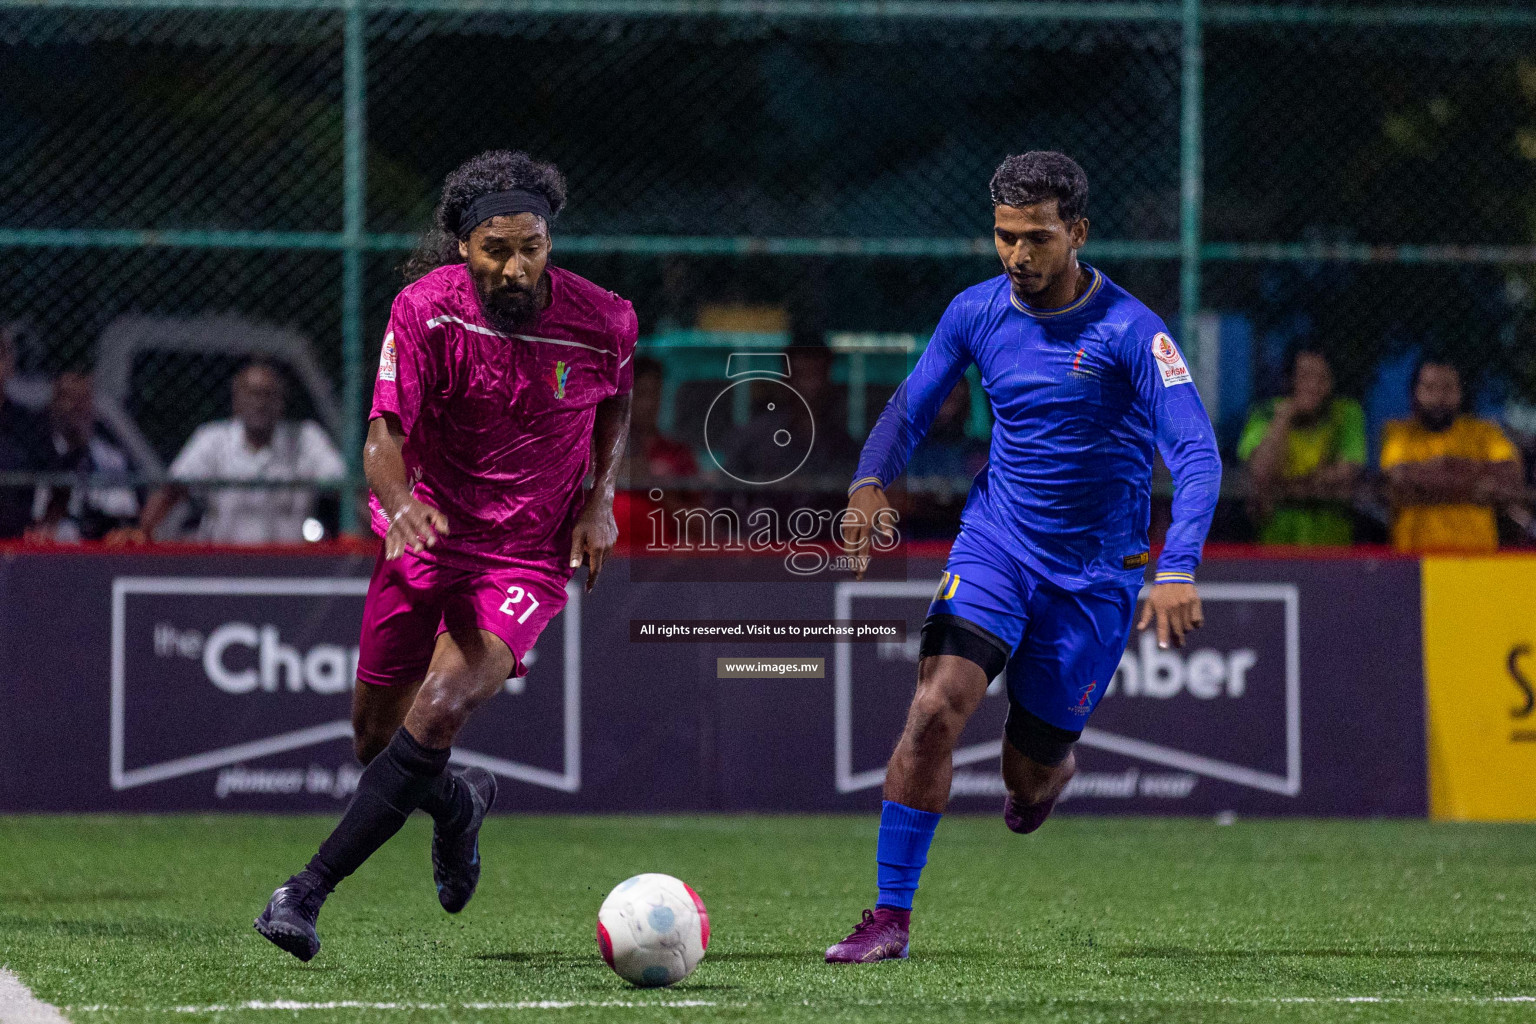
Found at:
[515, 596]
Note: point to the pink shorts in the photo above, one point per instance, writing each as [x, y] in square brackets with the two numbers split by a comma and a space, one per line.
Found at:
[411, 601]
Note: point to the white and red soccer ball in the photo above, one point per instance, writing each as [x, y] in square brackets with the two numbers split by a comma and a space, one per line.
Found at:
[652, 930]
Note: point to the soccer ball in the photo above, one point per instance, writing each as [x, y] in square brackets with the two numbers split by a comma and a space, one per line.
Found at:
[652, 930]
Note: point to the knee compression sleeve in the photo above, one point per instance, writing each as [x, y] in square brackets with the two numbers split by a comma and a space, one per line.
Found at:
[1035, 738]
[950, 634]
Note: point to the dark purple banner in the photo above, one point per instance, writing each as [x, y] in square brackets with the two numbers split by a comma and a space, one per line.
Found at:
[223, 682]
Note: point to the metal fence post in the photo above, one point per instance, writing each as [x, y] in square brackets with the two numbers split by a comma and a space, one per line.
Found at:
[1191, 176]
[354, 188]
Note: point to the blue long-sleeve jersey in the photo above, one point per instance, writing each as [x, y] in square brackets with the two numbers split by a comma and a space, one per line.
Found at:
[1079, 394]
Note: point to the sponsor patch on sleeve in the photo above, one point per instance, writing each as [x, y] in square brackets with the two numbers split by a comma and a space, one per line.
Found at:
[1170, 361]
[387, 358]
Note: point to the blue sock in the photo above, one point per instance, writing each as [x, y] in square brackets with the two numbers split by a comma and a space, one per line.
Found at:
[905, 833]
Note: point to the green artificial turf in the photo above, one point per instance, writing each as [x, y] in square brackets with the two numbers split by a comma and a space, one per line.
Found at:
[1090, 919]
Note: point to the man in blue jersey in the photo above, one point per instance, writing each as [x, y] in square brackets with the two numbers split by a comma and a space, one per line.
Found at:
[1042, 581]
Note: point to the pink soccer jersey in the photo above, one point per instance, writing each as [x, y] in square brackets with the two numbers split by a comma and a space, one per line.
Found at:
[499, 426]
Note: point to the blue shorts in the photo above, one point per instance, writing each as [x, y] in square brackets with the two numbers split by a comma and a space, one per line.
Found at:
[1062, 646]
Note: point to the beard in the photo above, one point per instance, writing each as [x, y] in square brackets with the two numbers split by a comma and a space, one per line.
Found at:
[508, 309]
[1437, 421]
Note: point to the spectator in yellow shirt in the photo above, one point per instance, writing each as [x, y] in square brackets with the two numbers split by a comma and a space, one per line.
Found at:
[1446, 473]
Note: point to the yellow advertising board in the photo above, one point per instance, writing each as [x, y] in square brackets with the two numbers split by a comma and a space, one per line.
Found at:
[1480, 679]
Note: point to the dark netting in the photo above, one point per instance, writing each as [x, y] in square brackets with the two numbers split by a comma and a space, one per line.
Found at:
[1391, 135]
[226, 119]
[816, 128]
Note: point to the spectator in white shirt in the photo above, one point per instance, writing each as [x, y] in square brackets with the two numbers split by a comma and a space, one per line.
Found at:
[257, 444]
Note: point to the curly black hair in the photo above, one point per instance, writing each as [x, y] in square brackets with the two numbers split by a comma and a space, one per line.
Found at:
[495, 170]
[1034, 177]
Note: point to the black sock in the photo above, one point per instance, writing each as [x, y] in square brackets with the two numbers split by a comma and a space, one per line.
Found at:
[392, 786]
[449, 802]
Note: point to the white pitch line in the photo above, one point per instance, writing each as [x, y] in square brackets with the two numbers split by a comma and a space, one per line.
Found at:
[19, 1006]
[356, 1004]
[1246, 1000]
[54, 1017]
[1426, 1000]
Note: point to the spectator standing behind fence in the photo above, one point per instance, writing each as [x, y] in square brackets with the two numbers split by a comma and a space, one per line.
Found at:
[758, 450]
[1447, 473]
[1304, 452]
[257, 444]
[651, 461]
[69, 514]
[23, 444]
[948, 452]
[651, 453]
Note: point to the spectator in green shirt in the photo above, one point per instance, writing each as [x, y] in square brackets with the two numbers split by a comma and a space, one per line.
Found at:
[1304, 452]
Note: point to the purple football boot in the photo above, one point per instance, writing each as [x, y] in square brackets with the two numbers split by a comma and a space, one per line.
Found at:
[1025, 820]
[882, 935]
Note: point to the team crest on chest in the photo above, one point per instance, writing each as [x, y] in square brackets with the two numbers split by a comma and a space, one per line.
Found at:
[1081, 367]
[562, 372]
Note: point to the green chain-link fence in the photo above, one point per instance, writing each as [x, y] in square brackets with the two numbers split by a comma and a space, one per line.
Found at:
[1362, 175]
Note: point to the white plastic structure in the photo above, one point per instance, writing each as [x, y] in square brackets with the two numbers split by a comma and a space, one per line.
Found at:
[214, 335]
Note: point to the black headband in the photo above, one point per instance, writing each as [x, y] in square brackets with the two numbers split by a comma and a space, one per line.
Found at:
[502, 204]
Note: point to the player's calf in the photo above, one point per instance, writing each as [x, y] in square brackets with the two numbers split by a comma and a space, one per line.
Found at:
[377, 711]
[948, 692]
[1037, 765]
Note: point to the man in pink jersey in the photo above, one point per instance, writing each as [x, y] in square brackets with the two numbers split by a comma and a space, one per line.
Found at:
[502, 380]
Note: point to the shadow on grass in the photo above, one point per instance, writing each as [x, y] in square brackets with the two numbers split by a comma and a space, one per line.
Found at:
[121, 928]
[541, 959]
[688, 988]
[781, 956]
[43, 899]
[553, 959]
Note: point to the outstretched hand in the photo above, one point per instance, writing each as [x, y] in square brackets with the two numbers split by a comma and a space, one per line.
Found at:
[123, 536]
[415, 525]
[869, 512]
[1176, 609]
[593, 537]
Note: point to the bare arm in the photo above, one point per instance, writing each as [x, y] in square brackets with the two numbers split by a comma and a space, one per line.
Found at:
[42, 529]
[1267, 464]
[1501, 483]
[1435, 480]
[595, 532]
[412, 524]
[1332, 482]
[159, 505]
[1337, 480]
